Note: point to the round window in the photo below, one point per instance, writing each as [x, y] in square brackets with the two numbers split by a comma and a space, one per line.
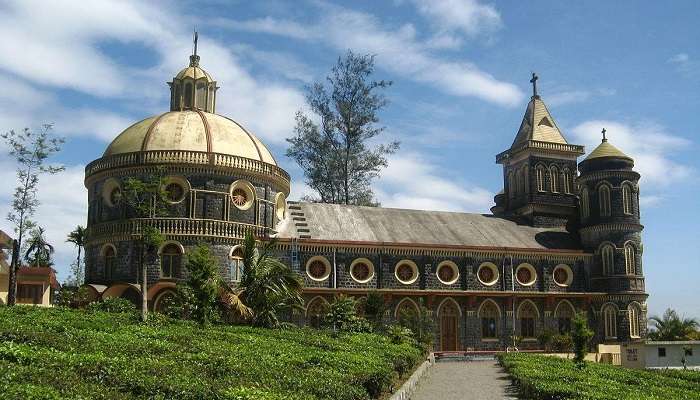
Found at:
[362, 270]
[111, 192]
[242, 194]
[318, 268]
[115, 196]
[406, 272]
[487, 274]
[447, 272]
[174, 192]
[526, 275]
[563, 276]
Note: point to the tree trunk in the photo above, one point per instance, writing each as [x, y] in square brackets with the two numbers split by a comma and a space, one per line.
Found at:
[14, 267]
[144, 287]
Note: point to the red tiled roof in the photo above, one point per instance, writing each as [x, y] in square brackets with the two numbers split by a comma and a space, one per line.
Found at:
[40, 271]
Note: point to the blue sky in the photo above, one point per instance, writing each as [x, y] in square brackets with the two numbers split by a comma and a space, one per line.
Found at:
[460, 71]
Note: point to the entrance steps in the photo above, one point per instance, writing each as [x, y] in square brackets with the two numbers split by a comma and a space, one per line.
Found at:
[447, 356]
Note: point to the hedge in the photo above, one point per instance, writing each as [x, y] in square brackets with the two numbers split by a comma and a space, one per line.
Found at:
[72, 354]
[552, 378]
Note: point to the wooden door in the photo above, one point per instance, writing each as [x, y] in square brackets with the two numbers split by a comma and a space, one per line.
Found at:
[448, 327]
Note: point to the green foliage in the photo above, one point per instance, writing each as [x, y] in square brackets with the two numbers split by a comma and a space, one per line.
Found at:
[545, 339]
[420, 322]
[342, 316]
[77, 236]
[113, 305]
[374, 308]
[553, 378]
[580, 335]
[72, 354]
[204, 281]
[71, 296]
[562, 343]
[335, 155]
[39, 251]
[268, 287]
[398, 334]
[671, 326]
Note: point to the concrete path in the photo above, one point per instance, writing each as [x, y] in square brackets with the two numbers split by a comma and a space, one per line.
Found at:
[464, 380]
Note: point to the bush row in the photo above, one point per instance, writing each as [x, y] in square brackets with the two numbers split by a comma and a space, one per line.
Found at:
[59, 353]
[549, 378]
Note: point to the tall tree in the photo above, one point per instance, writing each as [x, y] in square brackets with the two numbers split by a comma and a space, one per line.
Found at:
[146, 199]
[335, 154]
[78, 236]
[31, 152]
[268, 286]
[39, 251]
[204, 282]
[670, 326]
[580, 335]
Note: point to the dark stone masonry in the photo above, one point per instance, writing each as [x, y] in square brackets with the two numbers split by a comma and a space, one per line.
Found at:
[563, 237]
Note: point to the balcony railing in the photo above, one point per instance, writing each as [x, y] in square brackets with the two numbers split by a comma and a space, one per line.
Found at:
[177, 227]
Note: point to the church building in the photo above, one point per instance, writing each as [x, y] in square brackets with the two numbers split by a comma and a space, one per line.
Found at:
[564, 235]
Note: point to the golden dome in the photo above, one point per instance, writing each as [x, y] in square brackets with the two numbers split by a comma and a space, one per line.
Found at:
[190, 131]
[605, 149]
[194, 72]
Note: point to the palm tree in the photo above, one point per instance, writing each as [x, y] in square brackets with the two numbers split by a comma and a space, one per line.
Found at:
[77, 237]
[672, 327]
[267, 286]
[38, 250]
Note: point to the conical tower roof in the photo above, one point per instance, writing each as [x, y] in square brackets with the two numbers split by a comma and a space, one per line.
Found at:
[538, 124]
[605, 149]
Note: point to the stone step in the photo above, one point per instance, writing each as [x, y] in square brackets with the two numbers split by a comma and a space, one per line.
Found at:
[302, 219]
[305, 230]
[297, 213]
[304, 236]
[298, 224]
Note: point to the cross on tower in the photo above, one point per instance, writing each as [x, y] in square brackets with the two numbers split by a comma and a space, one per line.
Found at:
[603, 132]
[534, 84]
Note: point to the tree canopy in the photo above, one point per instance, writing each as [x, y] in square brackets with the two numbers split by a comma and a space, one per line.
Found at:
[333, 146]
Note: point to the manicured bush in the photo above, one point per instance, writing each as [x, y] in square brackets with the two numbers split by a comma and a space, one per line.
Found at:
[113, 305]
[73, 354]
[552, 378]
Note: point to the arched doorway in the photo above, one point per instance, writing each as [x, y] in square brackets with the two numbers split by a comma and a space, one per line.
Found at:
[133, 296]
[449, 326]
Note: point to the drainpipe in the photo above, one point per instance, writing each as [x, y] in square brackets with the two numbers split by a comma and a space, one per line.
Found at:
[335, 271]
[512, 288]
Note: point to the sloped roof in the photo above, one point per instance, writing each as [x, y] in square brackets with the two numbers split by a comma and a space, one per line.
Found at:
[605, 149]
[538, 124]
[333, 222]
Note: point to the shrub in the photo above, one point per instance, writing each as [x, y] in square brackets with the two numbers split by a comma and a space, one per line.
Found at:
[562, 343]
[203, 282]
[398, 334]
[580, 335]
[113, 305]
[342, 316]
[420, 322]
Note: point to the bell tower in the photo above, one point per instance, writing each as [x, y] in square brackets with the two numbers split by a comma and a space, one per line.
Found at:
[193, 88]
[539, 170]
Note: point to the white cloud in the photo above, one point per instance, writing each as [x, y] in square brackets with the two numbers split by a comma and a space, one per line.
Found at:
[398, 51]
[269, 25]
[680, 58]
[412, 182]
[63, 206]
[467, 16]
[649, 144]
[564, 97]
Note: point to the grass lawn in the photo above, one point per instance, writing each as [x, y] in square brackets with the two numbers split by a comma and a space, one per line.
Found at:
[542, 377]
[66, 354]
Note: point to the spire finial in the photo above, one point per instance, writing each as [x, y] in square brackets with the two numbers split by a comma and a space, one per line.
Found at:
[603, 132]
[194, 58]
[534, 84]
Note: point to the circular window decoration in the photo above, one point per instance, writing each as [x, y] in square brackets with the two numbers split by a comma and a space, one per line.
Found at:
[562, 275]
[242, 194]
[526, 274]
[487, 274]
[280, 206]
[318, 268]
[447, 272]
[362, 270]
[111, 192]
[175, 188]
[406, 272]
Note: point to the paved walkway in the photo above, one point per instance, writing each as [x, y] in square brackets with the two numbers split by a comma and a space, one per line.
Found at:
[464, 380]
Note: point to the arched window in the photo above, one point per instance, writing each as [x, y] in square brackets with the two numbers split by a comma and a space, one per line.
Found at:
[526, 179]
[607, 254]
[235, 262]
[633, 314]
[567, 181]
[521, 181]
[527, 314]
[564, 313]
[540, 178]
[201, 102]
[177, 103]
[585, 210]
[554, 178]
[604, 200]
[110, 258]
[188, 95]
[626, 199]
[170, 258]
[511, 185]
[629, 259]
[489, 320]
[610, 321]
[316, 311]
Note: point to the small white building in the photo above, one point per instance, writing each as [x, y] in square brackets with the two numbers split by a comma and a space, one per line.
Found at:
[667, 354]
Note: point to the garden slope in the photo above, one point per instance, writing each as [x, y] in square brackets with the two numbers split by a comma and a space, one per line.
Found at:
[541, 377]
[58, 353]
